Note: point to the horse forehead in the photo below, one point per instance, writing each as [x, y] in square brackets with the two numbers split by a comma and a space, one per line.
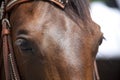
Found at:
[25, 14]
[29, 10]
[33, 23]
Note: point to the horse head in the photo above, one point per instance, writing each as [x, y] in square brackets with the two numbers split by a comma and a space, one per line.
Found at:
[53, 42]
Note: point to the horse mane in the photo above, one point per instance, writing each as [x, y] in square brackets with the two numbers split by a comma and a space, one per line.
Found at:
[78, 9]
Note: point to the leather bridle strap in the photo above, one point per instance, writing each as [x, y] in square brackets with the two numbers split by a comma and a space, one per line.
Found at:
[5, 33]
[8, 56]
[96, 71]
[12, 3]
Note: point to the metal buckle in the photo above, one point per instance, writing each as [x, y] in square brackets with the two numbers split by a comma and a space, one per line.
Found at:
[7, 22]
[1, 10]
[5, 27]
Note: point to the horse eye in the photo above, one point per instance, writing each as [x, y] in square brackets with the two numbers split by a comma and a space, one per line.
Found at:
[24, 45]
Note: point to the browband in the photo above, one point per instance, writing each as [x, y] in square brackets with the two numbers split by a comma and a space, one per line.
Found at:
[12, 3]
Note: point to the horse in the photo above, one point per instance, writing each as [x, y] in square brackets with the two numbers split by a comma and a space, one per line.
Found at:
[51, 40]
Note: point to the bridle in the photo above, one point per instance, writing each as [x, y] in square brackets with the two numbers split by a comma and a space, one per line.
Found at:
[10, 66]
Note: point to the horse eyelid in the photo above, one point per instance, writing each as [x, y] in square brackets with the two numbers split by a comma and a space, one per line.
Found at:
[22, 32]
